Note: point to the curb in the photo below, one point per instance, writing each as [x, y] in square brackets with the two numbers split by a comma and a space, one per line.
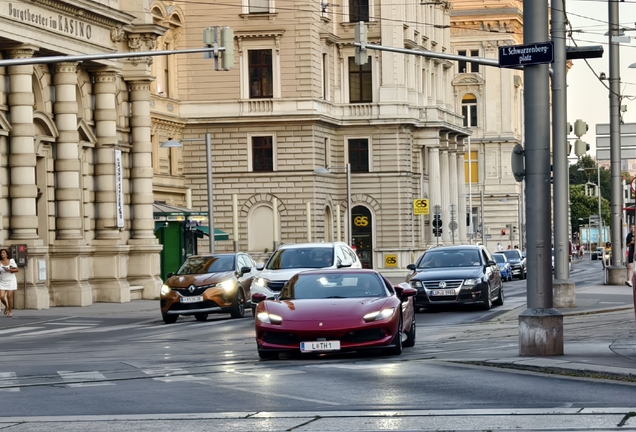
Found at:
[626, 375]
[505, 316]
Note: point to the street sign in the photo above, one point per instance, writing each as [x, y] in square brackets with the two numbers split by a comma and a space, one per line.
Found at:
[420, 206]
[437, 209]
[525, 55]
[452, 225]
[390, 260]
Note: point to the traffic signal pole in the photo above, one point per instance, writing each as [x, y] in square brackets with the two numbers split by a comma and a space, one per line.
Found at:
[563, 286]
[540, 325]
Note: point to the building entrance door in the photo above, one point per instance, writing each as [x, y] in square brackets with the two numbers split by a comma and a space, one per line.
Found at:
[362, 235]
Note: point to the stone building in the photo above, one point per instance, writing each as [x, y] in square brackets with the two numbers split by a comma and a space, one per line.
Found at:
[296, 102]
[491, 100]
[75, 151]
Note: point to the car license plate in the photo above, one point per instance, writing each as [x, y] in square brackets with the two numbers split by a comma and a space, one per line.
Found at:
[443, 292]
[319, 346]
[193, 299]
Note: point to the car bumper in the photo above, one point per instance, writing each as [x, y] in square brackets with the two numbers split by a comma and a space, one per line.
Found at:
[214, 301]
[466, 297]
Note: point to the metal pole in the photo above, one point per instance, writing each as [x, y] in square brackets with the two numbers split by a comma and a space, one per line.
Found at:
[349, 226]
[560, 144]
[470, 192]
[208, 163]
[600, 214]
[616, 202]
[481, 199]
[540, 325]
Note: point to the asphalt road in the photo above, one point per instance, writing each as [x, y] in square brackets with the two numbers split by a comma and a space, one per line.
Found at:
[138, 365]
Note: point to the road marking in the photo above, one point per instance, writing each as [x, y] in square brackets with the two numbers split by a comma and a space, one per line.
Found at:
[83, 376]
[90, 323]
[114, 328]
[18, 329]
[8, 379]
[57, 330]
[172, 375]
[278, 395]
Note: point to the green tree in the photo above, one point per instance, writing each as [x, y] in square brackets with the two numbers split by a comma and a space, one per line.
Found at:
[582, 206]
[589, 174]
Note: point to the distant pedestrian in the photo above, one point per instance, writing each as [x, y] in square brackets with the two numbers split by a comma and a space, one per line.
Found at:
[8, 281]
[499, 247]
[508, 247]
[630, 255]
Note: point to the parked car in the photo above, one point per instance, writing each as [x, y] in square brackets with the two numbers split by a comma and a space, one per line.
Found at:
[290, 259]
[504, 266]
[327, 311]
[517, 262]
[204, 284]
[454, 275]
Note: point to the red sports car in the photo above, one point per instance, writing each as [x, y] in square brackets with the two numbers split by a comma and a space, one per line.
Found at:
[321, 311]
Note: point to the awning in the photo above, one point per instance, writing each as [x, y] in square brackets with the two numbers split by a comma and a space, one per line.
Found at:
[165, 212]
[218, 234]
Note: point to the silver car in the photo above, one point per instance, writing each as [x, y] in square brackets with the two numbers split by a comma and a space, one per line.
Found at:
[290, 259]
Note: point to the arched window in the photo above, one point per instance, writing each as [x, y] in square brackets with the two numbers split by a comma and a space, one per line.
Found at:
[469, 110]
[260, 229]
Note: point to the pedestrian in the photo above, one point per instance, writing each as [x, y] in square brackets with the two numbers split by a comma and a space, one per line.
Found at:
[8, 281]
[499, 247]
[508, 247]
[630, 255]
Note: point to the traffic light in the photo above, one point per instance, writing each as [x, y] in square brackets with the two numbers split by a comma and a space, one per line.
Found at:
[437, 225]
[360, 36]
[514, 229]
[503, 232]
[227, 42]
[580, 128]
[581, 147]
[208, 36]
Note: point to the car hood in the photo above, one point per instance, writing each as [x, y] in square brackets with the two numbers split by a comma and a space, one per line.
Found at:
[282, 274]
[335, 311]
[446, 273]
[183, 281]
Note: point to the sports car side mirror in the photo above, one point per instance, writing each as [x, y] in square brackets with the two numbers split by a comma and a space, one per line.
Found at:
[411, 267]
[404, 290]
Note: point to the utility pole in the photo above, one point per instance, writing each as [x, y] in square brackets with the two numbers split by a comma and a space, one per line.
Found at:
[616, 273]
[564, 293]
[540, 326]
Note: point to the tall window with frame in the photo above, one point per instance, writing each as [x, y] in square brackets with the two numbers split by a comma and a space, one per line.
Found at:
[471, 167]
[360, 82]
[258, 6]
[358, 149]
[262, 154]
[260, 74]
[469, 110]
[465, 66]
[358, 11]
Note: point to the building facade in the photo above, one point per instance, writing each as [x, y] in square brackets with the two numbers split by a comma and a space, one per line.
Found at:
[76, 153]
[296, 111]
[491, 101]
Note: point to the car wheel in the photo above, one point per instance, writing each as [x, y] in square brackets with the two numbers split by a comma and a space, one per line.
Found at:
[500, 299]
[397, 341]
[410, 335]
[238, 308]
[487, 303]
[525, 275]
[169, 319]
[201, 316]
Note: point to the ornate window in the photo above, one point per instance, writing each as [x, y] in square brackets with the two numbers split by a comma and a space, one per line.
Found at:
[463, 66]
[471, 167]
[260, 74]
[360, 82]
[262, 154]
[358, 10]
[358, 150]
[469, 110]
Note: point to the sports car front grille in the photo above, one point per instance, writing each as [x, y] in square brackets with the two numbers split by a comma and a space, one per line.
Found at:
[281, 338]
[356, 336]
[364, 336]
[449, 284]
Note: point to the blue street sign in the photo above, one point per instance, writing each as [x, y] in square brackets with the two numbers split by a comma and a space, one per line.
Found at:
[524, 55]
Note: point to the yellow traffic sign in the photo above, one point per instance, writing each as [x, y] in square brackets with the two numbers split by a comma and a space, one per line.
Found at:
[420, 206]
[390, 260]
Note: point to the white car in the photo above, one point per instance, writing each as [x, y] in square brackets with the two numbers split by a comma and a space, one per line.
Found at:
[290, 259]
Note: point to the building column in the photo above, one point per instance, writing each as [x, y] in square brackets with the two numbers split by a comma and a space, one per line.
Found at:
[453, 195]
[434, 189]
[105, 114]
[144, 268]
[445, 189]
[67, 162]
[23, 190]
[461, 194]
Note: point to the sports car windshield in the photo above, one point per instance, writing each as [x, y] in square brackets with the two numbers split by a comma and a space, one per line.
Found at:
[316, 286]
[201, 265]
[454, 258]
[318, 257]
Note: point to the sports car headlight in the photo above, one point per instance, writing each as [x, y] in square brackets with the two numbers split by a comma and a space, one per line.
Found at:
[379, 315]
[416, 284]
[471, 282]
[165, 289]
[227, 285]
[269, 318]
[260, 282]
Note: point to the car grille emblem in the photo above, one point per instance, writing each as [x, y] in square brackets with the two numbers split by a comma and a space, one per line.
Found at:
[191, 288]
[442, 284]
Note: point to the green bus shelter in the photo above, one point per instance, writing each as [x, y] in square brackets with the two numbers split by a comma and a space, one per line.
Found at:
[178, 230]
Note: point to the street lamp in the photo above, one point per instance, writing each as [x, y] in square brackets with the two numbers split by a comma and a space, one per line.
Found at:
[600, 215]
[347, 168]
[208, 159]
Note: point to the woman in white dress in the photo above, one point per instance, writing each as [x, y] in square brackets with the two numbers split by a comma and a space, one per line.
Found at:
[8, 281]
